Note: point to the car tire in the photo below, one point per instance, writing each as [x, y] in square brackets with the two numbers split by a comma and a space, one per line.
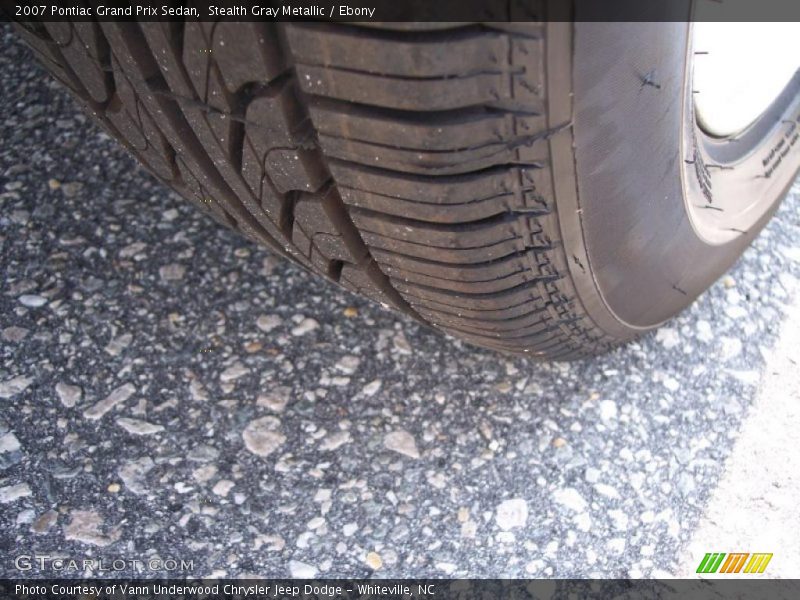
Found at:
[536, 188]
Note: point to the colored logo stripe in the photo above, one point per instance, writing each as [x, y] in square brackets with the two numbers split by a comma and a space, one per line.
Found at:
[711, 562]
[758, 563]
[734, 562]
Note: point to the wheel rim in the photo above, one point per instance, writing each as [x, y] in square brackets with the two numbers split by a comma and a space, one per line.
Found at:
[739, 70]
[739, 155]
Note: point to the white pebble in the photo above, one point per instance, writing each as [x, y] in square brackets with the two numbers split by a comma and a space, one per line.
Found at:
[261, 436]
[668, 337]
[275, 400]
[372, 388]
[118, 396]
[570, 498]
[267, 323]
[305, 326]
[606, 490]
[608, 410]
[335, 440]
[234, 372]
[619, 519]
[512, 513]
[402, 442]
[172, 272]
[10, 493]
[14, 386]
[222, 487]
[138, 426]
[32, 300]
[301, 570]
[68, 394]
[9, 443]
[348, 364]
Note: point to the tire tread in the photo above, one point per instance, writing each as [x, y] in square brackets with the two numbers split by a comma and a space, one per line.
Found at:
[377, 157]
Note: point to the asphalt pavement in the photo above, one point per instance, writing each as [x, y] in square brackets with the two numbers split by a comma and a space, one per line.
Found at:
[171, 392]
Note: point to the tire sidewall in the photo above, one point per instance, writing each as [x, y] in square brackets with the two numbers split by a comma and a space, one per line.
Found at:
[635, 138]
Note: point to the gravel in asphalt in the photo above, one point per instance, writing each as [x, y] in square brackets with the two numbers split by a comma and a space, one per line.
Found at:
[170, 391]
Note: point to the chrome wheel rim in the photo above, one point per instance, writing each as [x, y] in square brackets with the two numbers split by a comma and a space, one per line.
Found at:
[739, 70]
